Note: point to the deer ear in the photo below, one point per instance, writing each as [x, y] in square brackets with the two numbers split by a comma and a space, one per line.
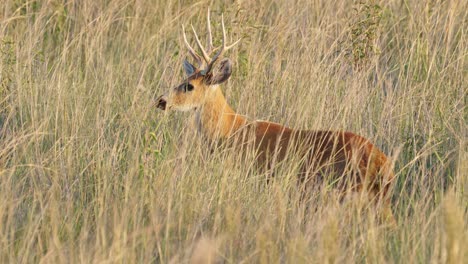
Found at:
[189, 68]
[222, 74]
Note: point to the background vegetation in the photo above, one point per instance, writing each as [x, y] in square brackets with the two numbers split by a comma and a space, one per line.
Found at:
[90, 171]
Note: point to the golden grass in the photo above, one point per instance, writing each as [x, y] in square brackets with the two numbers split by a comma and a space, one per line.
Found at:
[90, 171]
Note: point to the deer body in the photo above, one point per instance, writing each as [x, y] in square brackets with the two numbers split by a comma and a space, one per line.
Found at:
[345, 158]
[336, 152]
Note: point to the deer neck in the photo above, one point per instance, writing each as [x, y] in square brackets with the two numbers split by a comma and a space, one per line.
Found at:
[216, 119]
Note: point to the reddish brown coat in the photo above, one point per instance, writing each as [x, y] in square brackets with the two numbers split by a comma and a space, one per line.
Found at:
[348, 160]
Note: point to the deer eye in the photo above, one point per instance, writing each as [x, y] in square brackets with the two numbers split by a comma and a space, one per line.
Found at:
[188, 87]
[185, 87]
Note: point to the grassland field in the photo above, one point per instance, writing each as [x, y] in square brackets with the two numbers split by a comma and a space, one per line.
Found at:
[92, 172]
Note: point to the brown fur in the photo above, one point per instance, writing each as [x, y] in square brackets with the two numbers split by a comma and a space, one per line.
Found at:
[347, 159]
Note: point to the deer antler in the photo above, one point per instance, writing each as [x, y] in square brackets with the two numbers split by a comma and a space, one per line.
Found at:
[210, 37]
[223, 48]
[205, 53]
[192, 52]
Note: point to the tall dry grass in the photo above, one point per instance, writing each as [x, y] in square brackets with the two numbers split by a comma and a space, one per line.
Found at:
[90, 171]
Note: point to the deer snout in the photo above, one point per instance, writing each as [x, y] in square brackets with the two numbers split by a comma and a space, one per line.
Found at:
[161, 102]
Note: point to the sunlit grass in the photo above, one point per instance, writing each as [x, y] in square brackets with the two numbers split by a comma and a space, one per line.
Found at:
[90, 171]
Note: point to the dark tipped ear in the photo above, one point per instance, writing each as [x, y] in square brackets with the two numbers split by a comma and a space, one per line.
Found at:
[222, 74]
[189, 68]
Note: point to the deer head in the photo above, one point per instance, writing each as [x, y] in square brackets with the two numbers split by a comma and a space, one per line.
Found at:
[202, 80]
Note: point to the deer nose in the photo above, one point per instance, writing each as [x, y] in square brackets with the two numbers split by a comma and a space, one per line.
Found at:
[161, 102]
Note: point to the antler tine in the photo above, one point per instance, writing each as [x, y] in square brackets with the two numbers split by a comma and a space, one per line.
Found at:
[233, 44]
[223, 46]
[226, 48]
[191, 50]
[204, 54]
[210, 37]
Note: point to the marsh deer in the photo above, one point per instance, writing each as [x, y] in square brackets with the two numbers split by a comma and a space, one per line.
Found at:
[348, 160]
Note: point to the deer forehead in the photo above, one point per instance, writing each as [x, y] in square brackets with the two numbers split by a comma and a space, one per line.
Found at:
[196, 81]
